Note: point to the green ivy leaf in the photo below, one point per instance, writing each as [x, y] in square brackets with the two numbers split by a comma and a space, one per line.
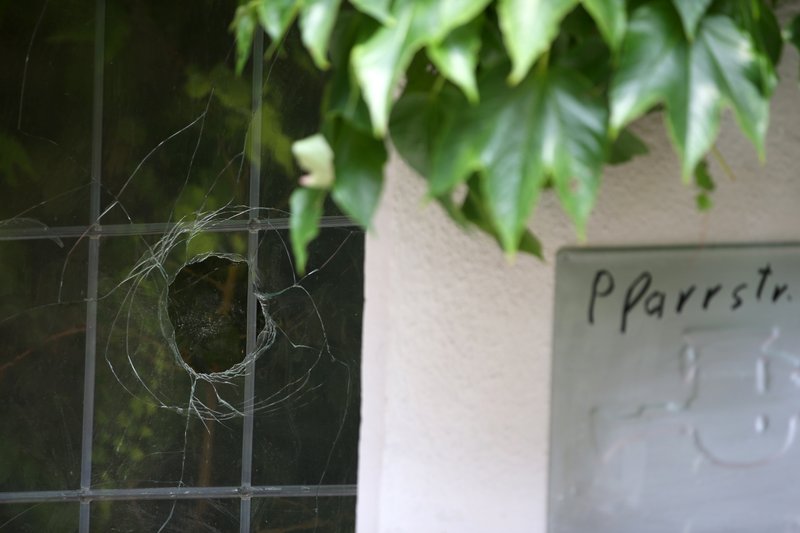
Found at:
[530, 244]
[315, 156]
[306, 211]
[793, 32]
[704, 182]
[358, 167]
[416, 121]
[626, 146]
[579, 121]
[550, 127]
[454, 211]
[244, 25]
[474, 210]
[317, 19]
[702, 178]
[528, 27]
[759, 21]
[276, 16]
[694, 57]
[592, 58]
[610, 17]
[456, 56]
[694, 79]
[380, 61]
[691, 11]
[377, 9]
[343, 96]
[703, 201]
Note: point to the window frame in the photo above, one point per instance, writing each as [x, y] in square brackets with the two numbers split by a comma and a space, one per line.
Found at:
[245, 492]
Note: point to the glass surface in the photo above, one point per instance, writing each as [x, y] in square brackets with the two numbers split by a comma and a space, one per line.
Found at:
[46, 50]
[39, 518]
[41, 363]
[172, 308]
[290, 111]
[307, 383]
[176, 116]
[676, 386]
[158, 422]
[319, 515]
[182, 516]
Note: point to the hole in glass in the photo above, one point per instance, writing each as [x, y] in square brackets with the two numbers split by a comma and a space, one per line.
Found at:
[207, 306]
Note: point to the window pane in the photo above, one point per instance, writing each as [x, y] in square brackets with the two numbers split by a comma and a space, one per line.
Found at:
[320, 515]
[200, 516]
[307, 392]
[158, 421]
[41, 363]
[46, 49]
[39, 517]
[290, 111]
[176, 116]
[173, 355]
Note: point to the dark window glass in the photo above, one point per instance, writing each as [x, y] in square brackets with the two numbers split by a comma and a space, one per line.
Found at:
[43, 332]
[201, 516]
[162, 365]
[38, 517]
[45, 111]
[323, 515]
[175, 114]
[317, 352]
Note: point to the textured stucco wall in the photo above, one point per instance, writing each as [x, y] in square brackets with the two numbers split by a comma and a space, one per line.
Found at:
[456, 364]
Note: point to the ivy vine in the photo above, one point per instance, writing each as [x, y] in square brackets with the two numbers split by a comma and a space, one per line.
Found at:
[502, 99]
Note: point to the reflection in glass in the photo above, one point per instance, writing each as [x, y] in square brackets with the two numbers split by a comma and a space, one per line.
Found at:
[319, 515]
[183, 516]
[289, 111]
[184, 269]
[306, 429]
[176, 115]
[39, 517]
[46, 49]
[42, 331]
[173, 424]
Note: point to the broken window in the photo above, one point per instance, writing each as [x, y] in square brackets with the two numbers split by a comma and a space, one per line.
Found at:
[162, 365]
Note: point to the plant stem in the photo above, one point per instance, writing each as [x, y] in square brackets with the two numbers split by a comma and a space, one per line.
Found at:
[721, 160]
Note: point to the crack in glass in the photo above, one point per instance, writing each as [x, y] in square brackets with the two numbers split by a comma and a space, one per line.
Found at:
[178, 150]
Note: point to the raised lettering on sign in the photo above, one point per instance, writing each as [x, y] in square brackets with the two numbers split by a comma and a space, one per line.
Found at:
[642, 295]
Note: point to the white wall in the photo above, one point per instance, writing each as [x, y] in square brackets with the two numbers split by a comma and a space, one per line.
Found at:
[456, 363]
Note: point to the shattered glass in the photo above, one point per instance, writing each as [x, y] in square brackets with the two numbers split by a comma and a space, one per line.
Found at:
[162, 365]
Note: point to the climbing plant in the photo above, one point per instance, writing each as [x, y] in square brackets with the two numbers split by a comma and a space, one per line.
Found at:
[494, 101]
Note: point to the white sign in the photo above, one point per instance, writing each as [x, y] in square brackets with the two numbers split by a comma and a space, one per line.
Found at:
[676, 391]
